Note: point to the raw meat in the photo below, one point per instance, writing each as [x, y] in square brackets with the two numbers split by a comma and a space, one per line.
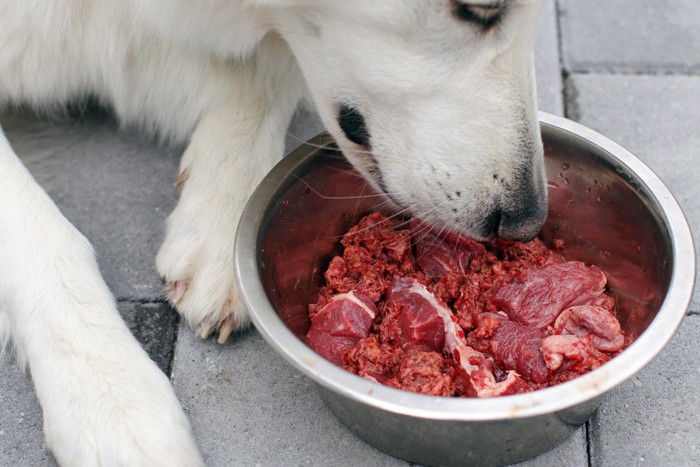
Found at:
[444, 315]
[593, 321]
[514, 346]
[437, 255]
[343, 321]
[539, 295]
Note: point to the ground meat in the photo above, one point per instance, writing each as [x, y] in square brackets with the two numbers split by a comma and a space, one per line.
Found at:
[443, 315]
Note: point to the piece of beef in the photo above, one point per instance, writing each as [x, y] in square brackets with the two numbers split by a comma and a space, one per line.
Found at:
[481, 379]
[538, 295]
[337, 327]
[440, 253]
[527, 254]
[422, 326]
[518, 347]
[374, 253]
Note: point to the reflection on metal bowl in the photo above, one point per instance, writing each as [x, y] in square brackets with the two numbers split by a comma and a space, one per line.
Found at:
[607, 206]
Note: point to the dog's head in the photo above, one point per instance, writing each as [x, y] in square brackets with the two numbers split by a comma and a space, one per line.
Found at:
[434, 102]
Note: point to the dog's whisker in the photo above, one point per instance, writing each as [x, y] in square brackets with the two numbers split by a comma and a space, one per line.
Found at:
[328, 197]
[320, 146]
[376, 224]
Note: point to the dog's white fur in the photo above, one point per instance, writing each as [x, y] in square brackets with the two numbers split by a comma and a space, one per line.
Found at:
[448, 104]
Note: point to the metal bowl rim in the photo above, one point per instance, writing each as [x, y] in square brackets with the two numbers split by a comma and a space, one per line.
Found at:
[544, 401]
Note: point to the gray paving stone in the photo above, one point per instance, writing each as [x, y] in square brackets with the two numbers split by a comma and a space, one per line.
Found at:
[656, 118]
[248, 407]
[653, 419]
[547, 69]
[571, 453]
[21, 439]
[114, 186]
[631, 35]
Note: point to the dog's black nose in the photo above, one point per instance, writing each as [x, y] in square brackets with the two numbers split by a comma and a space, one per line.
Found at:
[353, 125]
[522, 225]
[523, 216]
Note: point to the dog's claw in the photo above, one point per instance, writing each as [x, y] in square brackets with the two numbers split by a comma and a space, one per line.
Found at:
[228, 326]
[176, 290]
[223, 322]
[205, 329]
[182, 178]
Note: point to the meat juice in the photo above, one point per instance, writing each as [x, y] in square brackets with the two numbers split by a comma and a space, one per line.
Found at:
[444, 315]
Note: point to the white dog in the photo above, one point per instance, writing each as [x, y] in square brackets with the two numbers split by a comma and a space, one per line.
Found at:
[432, 100]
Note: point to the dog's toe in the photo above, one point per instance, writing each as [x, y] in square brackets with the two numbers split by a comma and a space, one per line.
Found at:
[176, 290]
[209, 302]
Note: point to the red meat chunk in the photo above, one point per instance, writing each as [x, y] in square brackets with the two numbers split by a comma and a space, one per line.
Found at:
[339, 325]
[539, 295]
[519, 347]
[439, 254]
[421, 325]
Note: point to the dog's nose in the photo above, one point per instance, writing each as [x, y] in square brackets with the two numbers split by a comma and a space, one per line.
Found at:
[524, 224]
[523, 217]
[353, 125]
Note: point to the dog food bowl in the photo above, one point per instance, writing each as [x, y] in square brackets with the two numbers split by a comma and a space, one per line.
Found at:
[607, 206]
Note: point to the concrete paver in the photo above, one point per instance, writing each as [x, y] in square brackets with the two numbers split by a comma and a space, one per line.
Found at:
[248, 407]
[21, 439]
[547, 62]
[632, 36]
[652, 419]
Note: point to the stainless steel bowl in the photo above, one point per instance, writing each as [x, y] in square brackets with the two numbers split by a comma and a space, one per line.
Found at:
[608, 207]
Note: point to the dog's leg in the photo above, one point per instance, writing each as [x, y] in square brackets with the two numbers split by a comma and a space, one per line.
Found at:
[104, 401]
[235, 144]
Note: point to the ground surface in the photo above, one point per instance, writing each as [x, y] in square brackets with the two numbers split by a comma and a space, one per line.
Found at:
[627, 68]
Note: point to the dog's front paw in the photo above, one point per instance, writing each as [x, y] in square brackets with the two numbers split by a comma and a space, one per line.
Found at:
[196, 264]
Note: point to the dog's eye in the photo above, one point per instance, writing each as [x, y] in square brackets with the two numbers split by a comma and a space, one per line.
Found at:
[485, 15]
[353, 125]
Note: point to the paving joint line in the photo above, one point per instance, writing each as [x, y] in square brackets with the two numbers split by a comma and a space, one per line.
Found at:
[171, 364]
[658, 72]
[143, 301]
[587, 435]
